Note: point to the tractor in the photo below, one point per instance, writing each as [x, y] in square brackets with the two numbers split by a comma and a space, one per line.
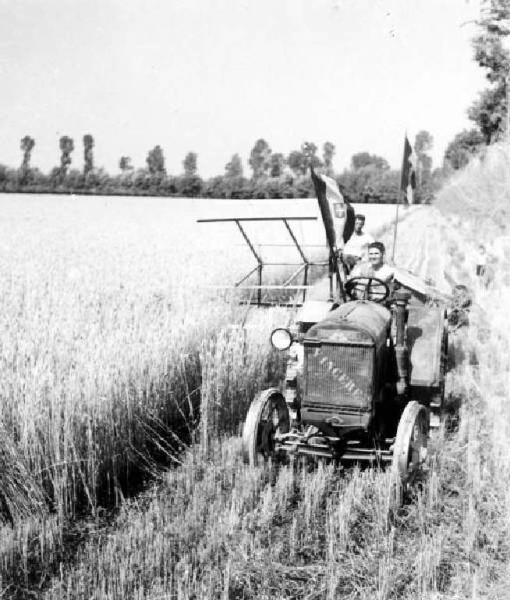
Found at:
[365, 368]
[363, 381]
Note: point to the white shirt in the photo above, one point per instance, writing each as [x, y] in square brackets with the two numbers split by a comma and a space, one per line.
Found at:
[358, 245]
[384, 272]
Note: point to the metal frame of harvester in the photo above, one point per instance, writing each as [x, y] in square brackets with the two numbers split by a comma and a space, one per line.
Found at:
[302, 268]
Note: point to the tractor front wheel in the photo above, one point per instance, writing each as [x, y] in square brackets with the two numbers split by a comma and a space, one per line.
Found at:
[268, 415]
[410, 449]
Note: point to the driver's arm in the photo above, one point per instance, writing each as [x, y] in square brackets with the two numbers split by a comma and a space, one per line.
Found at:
[356, 271]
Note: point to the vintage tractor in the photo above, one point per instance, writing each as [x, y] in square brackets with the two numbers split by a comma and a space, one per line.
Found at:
[366, 363]
[363, 380]
[365, 373]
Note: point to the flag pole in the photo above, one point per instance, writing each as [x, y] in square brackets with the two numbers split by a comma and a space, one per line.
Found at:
[396, 225]
[404, 180]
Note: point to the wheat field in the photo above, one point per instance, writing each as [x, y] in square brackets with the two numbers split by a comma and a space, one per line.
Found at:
[109, 345]
[112, 344]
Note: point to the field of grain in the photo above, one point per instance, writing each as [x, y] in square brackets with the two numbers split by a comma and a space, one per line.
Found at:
[214, 528]
[109, 342]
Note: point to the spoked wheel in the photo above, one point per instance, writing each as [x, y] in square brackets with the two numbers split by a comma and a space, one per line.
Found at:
[268, 415]
[410, 449]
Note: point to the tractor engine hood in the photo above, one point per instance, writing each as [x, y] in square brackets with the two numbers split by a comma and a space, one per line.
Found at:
[358, 322]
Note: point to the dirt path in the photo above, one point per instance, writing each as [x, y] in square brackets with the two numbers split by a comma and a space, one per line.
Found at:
[422, 246]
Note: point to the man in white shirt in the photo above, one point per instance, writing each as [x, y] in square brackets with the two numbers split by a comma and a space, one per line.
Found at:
[356, 248]
[375, 267]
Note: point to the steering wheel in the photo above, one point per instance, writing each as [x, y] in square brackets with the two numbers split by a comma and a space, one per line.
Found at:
[367, 288]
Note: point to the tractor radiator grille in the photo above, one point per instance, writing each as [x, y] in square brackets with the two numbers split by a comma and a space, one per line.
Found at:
[338, 376]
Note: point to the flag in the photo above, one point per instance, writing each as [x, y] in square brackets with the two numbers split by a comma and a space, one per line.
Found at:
[408, 176]
[337, 214]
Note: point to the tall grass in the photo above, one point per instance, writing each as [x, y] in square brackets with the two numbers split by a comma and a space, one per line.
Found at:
[108, 340]
[107, 349]
[100, 354]
[217, 529]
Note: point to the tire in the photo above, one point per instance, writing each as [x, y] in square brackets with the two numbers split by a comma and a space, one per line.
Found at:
[268, 414]
[410, 448]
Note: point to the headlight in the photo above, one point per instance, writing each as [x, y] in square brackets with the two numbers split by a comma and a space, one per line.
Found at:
[281, 339]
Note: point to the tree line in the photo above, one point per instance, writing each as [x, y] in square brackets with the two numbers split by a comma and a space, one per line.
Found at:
[489, 112]
[369, 177]
[275, 175]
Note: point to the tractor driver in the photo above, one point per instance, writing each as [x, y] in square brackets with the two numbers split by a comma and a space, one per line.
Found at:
[375, 267]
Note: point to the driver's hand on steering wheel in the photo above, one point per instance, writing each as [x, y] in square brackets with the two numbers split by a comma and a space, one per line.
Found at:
[367, 288]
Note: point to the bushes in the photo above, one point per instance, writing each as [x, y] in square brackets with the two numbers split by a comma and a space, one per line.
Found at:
[357, 187]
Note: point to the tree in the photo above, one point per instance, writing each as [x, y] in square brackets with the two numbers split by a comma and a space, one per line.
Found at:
[190, 164]
[125, 164]
[463, 146]
[309, 150]
[234, 168]
[489, 111]
[214, 187]
[297, 162]
[423, 143]
[276, 164]
[88, 157]
[27, 145]
[328, 151]
[364, 159]
[259, 160]
[234, 184]
[189, 185]
[369, 184]
[66, 147]
[142, 180]
[75, 180]
[156, 161]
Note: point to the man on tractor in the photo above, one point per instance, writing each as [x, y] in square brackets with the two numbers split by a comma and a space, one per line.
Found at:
[375, 267]
[356, 248]
[372, 280]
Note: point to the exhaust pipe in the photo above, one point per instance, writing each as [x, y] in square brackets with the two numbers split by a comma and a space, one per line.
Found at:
[401, 352]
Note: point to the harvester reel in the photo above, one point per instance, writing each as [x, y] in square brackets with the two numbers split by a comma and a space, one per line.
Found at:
[410, 449]
[367, 288]
[267, 416]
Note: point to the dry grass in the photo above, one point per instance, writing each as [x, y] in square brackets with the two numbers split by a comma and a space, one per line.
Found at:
[216, 529]
[111, 348]
[107, 336]
[95, 395]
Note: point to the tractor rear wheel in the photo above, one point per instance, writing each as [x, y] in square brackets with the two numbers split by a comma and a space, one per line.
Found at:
[268, 415]
[410, 448]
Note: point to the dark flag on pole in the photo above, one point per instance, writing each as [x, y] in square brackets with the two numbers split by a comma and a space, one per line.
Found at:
[337, 213]
[408, 176]
[407, 185]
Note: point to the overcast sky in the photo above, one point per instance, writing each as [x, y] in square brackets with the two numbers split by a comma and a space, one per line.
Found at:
[212, 76]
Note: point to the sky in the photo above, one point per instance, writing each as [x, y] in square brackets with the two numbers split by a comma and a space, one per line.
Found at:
[213, 76]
